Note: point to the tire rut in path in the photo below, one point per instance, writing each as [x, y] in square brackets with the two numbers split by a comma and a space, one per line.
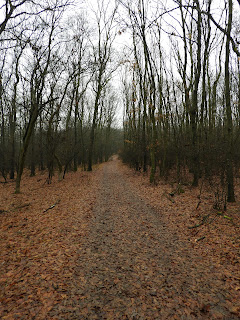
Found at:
[129, 265]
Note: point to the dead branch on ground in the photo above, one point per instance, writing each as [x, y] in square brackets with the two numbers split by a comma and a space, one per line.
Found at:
[52, 206]
[201, 223]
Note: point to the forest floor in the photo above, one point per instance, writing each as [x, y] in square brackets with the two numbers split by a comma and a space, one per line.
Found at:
[108, 245]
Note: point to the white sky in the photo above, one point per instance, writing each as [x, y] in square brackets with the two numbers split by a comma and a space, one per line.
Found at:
[124, 39]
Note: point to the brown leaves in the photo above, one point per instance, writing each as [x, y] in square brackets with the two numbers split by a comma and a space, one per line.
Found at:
[214, 243]
[38, 251]
[138, 261]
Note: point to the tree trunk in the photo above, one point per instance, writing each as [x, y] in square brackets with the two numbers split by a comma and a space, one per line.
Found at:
[92, 133]
[2, 154]
[33, 171]
[41, 162]
[24, 148]
[229, 160]
[94, 122]
[12, 150]
[194, 106]
[75, 159]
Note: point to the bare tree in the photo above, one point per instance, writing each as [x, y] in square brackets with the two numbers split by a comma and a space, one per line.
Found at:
[8, 9]
[230, 182]
[102, 64]
[42, 58]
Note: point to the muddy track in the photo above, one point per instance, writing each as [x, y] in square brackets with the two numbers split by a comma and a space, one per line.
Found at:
[131, 267]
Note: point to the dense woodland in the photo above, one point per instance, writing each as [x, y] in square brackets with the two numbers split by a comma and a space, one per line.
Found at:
[153, 86]
[183, 102]
[176, 74]
[57, 102]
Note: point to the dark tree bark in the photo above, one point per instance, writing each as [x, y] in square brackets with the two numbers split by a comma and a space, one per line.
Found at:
[229, 161]
[94, 121]
[25, 144]
[33, 163]
[194, 105]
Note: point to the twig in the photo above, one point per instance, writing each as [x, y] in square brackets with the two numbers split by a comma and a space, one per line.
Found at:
[22, 206]
[226, 217]
[199, 196]
[51, 207]
[199, 239]
[199, 202]
[168, 197]
[201, 223]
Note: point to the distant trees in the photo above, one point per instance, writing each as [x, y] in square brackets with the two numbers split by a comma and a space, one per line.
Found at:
[53, 73]
[41, 54]
[180, 88]
[102, 64]
[179, 102]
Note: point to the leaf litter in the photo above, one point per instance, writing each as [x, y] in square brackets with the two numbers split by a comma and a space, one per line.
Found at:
[107, 245]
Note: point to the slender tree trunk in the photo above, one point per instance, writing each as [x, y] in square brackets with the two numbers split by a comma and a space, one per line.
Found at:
[92, 133]
[13, 128]
[94, 123]
[3, 147]
[12, 147]
[75, 159]
[41, 161]
[144, 148]
[82, 138]
[204, 73]
[229, 161]
[33, 167]
[194, 106]
[152, 106]
[24, 148]
[238, 94]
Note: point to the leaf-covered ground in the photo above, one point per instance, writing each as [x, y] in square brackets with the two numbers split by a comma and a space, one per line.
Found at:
[107, 245]
[39, 248]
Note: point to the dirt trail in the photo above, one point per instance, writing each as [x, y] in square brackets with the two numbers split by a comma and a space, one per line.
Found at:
[131, 267]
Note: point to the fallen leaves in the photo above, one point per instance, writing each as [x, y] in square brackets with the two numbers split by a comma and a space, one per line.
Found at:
[213, 241]
[38, 251]
[134, 258]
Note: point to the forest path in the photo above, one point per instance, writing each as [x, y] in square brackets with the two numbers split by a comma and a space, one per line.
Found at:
[131, 267]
